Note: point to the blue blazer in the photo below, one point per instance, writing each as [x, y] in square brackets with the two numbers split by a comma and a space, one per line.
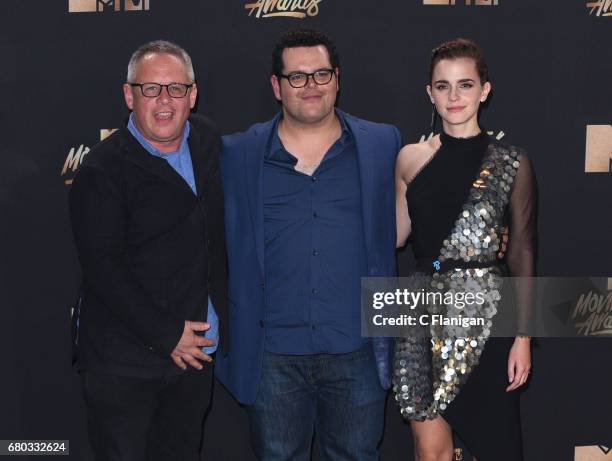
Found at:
[241, 174]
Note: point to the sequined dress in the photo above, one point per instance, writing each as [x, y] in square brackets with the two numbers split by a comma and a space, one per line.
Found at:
[461, 203]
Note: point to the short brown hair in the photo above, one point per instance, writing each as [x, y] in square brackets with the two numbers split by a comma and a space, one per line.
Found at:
[460, 48]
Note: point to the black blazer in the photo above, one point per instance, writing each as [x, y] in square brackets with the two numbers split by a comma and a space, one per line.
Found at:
[150, 250]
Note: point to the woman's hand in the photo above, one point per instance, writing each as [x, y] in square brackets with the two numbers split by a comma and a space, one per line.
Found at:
[519, 362]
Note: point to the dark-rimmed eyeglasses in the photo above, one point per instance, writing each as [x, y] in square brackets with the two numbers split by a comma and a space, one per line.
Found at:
[153, 90]
[300, 79]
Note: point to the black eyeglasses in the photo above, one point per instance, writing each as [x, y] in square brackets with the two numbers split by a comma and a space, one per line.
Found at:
[300, 79]
[153, 90]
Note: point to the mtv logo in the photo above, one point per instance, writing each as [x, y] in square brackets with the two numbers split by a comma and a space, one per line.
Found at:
[99, 6]
[598, 158]
[76, 155]
[136, 5]
[73, 160]
[92, 6]
[593, 453]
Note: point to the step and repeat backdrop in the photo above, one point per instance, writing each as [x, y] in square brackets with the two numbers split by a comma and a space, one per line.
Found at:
[62, 64]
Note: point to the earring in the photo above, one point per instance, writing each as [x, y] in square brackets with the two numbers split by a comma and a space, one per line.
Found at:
[433, 117]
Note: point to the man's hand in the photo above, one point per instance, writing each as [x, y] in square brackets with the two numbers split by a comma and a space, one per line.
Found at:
[189, 347]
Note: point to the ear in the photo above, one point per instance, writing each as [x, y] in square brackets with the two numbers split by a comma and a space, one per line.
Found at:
[486, 89]
[428, 88]
[275, 82]
[193, 95]
[337, 71]
[128, 95]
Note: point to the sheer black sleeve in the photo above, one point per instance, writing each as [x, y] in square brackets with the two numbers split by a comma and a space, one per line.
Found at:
[522, 244]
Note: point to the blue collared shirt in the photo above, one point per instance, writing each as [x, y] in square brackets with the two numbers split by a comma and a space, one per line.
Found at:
[180, 160]
[314, 250]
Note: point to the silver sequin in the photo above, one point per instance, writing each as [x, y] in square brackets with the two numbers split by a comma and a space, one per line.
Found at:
[449, 354]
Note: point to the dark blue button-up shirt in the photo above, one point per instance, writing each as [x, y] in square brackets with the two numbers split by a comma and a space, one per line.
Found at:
[314, 250]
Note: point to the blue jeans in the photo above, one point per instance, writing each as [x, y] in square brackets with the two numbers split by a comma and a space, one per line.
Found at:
[336, 396]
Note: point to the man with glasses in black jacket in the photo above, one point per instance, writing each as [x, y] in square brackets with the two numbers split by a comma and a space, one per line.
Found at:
[147, 216]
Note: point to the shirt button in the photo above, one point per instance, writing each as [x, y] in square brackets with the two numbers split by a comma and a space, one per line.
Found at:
[315, 253]
[314, 178]
[315, 291]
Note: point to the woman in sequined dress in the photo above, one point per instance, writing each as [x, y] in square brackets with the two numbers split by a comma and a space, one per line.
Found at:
[459, 195]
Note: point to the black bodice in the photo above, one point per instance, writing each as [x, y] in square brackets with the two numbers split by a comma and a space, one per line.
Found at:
[435, 196]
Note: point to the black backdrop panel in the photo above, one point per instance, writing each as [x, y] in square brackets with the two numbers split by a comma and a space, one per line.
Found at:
[60, 79]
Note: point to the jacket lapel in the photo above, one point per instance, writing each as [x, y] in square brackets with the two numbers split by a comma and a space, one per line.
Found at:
[155, 165]
[199, 161]
[365, 148]
[254, 152]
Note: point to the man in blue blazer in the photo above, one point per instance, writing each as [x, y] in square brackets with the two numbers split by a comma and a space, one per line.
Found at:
[310, 209]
